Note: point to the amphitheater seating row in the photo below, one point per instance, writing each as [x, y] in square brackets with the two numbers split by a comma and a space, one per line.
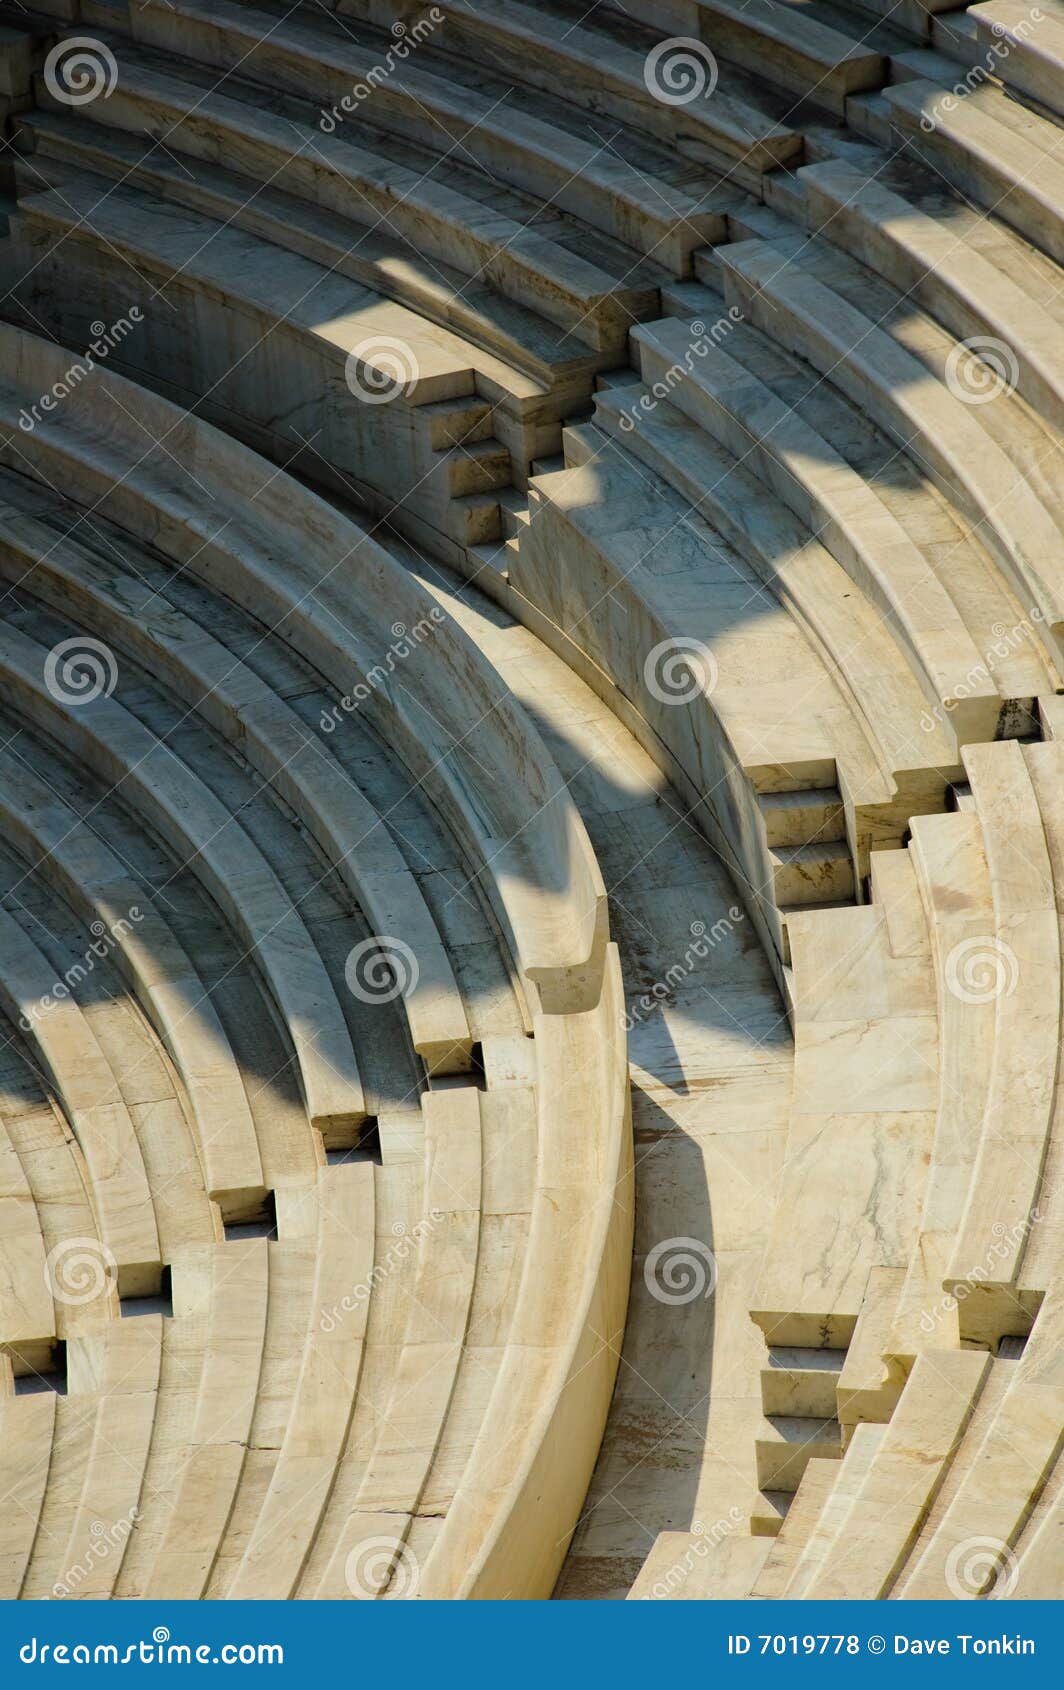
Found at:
[819, 585]
[421, 1346]
[532, 840]
[631, 191]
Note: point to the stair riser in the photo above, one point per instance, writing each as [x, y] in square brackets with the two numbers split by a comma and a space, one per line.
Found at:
[830, 880]
[792, 1391]
[810, 821]
[780, 1467]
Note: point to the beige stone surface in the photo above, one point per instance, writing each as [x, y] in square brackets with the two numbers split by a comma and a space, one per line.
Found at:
[687, 1223]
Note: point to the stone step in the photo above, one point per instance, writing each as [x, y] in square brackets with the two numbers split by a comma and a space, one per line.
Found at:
[868, 1385]
[803, 818]
[66, 1050]
[1015, 514]
[28, 1323]
[125, 607]
[531, 377]
[173, 800]
[432, 1339]
[895, 1493]
[600, 61]
[797, 1521]
[834, 501]
[556, 928]
[991, 151]
[636, 190]
[830, 1521]
[338, 336]
[579, 280]
[97, 886]
[785, 1444]
[796, 566]
[820, 873]
[27, 1429]
[698, 1566]
[1027, 53]
[934, 261]
[801, 1382]
[1014, 789]
[949, 860]
[805, 48]
[222, 1297]
[113, 1385]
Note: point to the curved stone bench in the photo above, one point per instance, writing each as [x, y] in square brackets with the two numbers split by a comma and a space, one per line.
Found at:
[587, 285]
[789, 45]
[290, 559]
[950, 862]
[185, 812]
[254, 341]
[598, 534]
[834, 502]
[126, 608]
[846, 628]
[422, 1397]
[507, 1529]
[113, 1387]
[938, 262]
[525, 373]
[992, 151]
[1011, 785]
[27, 1429]
[221, 1295]
[1002, 1469]
[599, 61]
[377, 1322]
[27, 1325]
[1032, 55]
[80, 1075]
[96, 884]
[325, 1392]
[634, 191]
[959, 451]
[1038, 1555]
[882, 1512]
